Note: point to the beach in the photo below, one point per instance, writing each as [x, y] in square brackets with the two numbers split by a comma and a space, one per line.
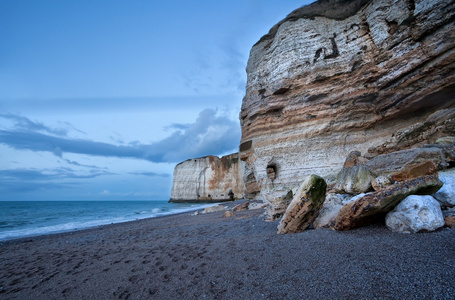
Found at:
[206, 256]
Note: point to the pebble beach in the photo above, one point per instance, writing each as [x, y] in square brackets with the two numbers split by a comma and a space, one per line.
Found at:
[206, 256]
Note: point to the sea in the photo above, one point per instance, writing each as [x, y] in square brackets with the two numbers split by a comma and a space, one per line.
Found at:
[20, 219]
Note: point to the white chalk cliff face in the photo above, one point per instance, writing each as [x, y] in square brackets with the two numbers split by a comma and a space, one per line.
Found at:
[337, 76]
[208, 179]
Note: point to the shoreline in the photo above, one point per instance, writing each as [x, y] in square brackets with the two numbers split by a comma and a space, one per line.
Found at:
[207, 256]
[190, 210]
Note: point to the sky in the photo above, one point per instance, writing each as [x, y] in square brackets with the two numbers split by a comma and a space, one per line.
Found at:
[99, 100]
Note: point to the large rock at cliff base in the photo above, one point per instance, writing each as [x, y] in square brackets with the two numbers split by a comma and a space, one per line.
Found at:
[398, 161]
[305, 206]
[417, 170]
[354, 180]
[277, 205]
[329, 212]
[241, 207]
[213, 209]
[446, 195]
[449, 222]
[372, 206]
[415, 214]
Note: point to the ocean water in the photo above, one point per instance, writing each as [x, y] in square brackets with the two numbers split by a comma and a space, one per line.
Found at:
[31, 218]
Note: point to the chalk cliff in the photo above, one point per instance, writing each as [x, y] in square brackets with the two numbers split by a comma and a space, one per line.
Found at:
[336, 76]
[208, 179]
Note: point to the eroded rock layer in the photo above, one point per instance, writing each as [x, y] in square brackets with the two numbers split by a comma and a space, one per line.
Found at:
[337, 76]
[208, 179]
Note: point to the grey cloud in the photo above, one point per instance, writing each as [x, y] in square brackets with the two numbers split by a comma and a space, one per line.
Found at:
[29, 180]
[45, 175]
[210, 134]
[75, 163]
[23, 123]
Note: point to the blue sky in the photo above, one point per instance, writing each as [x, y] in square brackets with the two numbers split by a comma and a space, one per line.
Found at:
[100, 99]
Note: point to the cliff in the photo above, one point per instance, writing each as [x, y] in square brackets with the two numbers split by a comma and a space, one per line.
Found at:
[208, 179]
[374, 76]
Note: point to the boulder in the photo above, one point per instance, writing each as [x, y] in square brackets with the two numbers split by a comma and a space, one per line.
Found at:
[372, 206]
[354, 180]
[330, 209]
[352, 159]
[421, 169]
[277, 205]
[380, 182]
[215, 208]
[228, 214]
[415, 214]
[446, 195]
[242, 206]
[305, 206]
[446, 140]
[256, 206]
[386, 164]
[449, 222]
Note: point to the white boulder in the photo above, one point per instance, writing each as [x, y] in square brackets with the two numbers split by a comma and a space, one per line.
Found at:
[213, 209]
[329, 211]
[414, 214]
[446, 195]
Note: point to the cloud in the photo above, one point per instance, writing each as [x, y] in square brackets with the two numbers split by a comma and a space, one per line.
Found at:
[75, 163]
[23, 123]
[45, 175]
[28, 180]
[210, 134]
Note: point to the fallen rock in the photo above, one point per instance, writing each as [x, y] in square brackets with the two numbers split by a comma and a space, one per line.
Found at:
[380, 182]
[415, 214]
[446, 195]
[449, 222]
[257, 206]
[328, 213]
[386, 164]
[446, 140]
[305, 206]
[277, 205]
[215, 208]
[368, 208]
[424, 168]
[351, 199]
[228, 214]
[354, 180]
[352, 159]
[242, 206]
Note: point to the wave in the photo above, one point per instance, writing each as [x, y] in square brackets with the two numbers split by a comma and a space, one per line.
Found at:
[51, 224]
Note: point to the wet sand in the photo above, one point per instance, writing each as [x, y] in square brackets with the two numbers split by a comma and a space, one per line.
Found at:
[208, 257]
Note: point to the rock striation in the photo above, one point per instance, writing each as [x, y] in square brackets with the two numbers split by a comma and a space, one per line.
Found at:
[208, 179]
[376, 76]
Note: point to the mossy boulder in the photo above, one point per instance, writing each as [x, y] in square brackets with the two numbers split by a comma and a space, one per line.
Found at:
[305, 206]
[355, 180]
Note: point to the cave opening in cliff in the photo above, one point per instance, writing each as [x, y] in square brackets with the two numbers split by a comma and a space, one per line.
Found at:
[272, 171]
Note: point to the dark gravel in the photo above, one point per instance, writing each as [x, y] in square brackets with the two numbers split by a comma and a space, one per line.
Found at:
[208, 257]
